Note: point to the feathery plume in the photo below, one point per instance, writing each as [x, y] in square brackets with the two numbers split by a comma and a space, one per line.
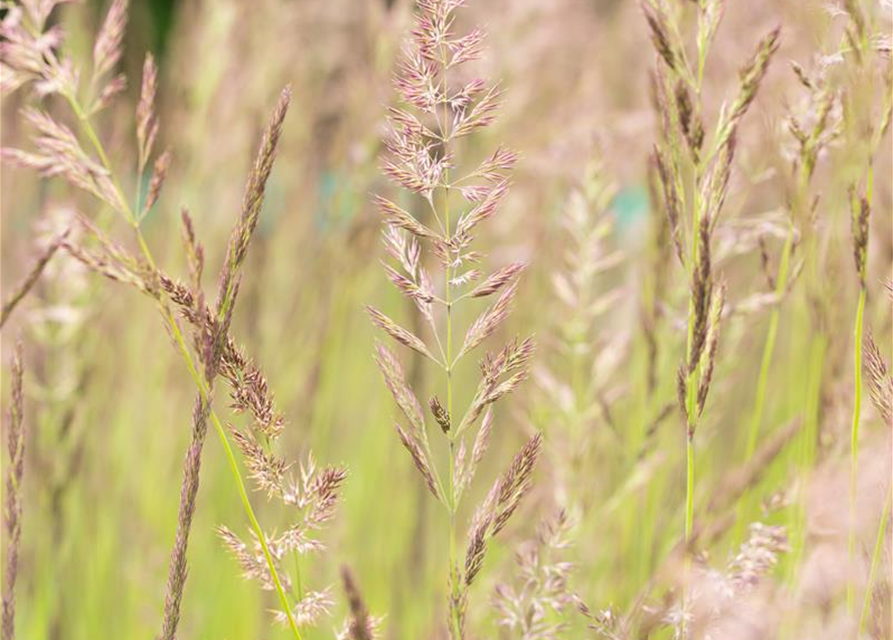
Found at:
[437, 111]
[108, 46]
[60, 153]
[880, 383]
[249, 387]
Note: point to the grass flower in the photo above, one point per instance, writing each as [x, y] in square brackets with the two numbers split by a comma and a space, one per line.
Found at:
[438, 111]
[12, 507]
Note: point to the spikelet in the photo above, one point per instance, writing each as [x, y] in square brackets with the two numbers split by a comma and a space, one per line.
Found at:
[708, 357]
[59, 153]
[671, 202]
[159, 175]
[860, 210]
[195, 251]
[658, 24]
[398, 333]
[749, 79]
[108, 45]
[441, 415]
[489, 321]
[498, 279]
[502, 501]
[146, 120]
[880, 383]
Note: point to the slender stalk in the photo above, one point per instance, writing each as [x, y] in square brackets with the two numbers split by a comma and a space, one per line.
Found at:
[807, 450]
[249, 511]
[299, 585]
[691, 388]
[756, 416]
[455, 622]
[12, 503]
[689, 486]
[451, 500]
[174, 327]
[689, 477]
[875, 559]
[854, 442]
[454, 616]
[861, 252]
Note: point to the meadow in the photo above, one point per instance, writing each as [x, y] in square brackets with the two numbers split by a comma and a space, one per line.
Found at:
[447, 319]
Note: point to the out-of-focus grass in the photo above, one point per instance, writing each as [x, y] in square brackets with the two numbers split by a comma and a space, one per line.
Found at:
[96, 549]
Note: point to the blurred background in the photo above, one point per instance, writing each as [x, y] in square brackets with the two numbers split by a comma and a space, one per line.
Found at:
[109, 401]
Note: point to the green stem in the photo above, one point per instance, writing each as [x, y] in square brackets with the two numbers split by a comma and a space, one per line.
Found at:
[875, 559]
[806, 452]
[854, 440]
[756, 416]
[455, 622]
[690, 487]
[691, 392]
[299, 585]
[169, 318]
[454, 577]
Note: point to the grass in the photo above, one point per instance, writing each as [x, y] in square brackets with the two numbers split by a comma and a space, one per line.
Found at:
[687, 479]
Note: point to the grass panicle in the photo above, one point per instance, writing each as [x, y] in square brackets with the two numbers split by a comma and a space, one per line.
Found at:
[704, 232]
[699, 182]
[60, 153]
[12, 504]
[422, 158]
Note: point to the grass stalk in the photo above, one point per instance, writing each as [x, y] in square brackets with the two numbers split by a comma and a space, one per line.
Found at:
[756, 416]
[455, 621]
[454, 578]
[875, 560]
[854, 442]
[807, 449]
[174, 327]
